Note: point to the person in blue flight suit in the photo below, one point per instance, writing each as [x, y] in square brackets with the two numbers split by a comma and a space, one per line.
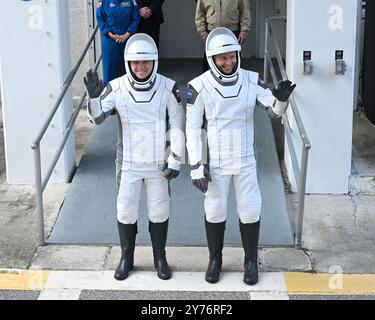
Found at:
[117, 20]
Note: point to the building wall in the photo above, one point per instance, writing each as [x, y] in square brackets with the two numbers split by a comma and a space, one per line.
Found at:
[79, 34]
[325, 100]
[31, 86]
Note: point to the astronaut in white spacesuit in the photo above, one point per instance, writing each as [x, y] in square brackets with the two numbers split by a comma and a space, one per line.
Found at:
[220, 138]
[149, 106]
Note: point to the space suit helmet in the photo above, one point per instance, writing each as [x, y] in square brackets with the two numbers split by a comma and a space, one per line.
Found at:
[141, 47]
[222, 40]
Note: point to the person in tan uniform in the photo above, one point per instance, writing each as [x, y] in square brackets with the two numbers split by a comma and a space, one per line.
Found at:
[231, 14]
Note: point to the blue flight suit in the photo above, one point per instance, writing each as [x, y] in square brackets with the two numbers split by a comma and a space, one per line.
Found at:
[118, 17]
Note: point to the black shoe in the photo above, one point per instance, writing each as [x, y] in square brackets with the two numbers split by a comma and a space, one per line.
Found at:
[162, 268]
[213, 271]
[127, 233]
[123, 269]
[251, 273]
[158, 233]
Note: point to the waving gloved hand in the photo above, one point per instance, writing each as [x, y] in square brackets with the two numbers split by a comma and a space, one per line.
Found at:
[93, 85]
[201, 177]
[283, 90]
[169, 173]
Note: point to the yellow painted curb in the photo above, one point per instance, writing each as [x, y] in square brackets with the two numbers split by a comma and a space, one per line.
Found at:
[31, 280]
[332, 284]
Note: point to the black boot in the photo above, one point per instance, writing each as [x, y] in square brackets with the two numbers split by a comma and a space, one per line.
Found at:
[158, 233]
[250, 237]
[215, 241]
[127, 234]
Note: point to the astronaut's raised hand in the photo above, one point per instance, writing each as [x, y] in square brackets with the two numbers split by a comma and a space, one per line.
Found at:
[94, 86]
[283, 90]
[201, 177]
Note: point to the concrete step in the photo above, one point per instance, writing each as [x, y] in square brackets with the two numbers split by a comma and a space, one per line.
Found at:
[183, 259]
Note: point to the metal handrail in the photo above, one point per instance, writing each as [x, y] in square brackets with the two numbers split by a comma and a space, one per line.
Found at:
[40, 183]
[300, 171]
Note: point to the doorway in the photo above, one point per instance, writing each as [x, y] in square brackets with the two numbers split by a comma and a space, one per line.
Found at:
[179, 38]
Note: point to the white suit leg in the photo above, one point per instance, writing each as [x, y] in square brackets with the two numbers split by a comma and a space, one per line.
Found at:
[157, 198]
[248, 197]
[128, 198]
[215, 203]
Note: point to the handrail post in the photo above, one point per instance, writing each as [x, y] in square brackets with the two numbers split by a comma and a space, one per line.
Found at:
[301, 197]
[39, 194]
[265, 70]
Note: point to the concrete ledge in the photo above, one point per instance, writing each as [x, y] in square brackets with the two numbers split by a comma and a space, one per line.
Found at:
[362, 185]
[282, 259]
[182, 259]
[70, 258]
[186, 259]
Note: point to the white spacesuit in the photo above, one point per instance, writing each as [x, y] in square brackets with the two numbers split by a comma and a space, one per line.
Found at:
[149, 109]
[222, 104]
